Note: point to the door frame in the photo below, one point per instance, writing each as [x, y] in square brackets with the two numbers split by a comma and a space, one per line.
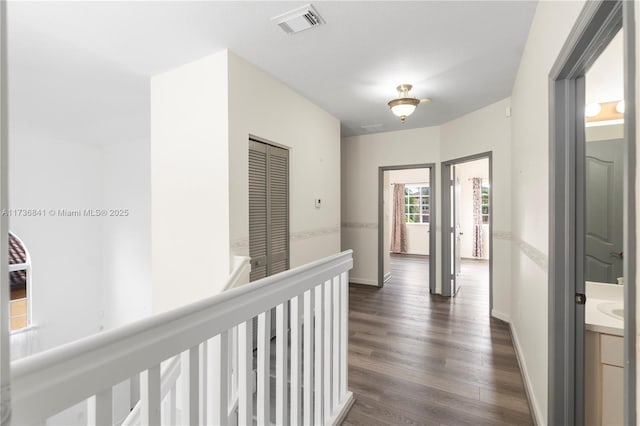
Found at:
[447, 205]
[597, 24]
[5, 350]
[432, 220]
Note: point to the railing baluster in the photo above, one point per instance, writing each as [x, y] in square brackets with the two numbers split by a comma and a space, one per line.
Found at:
[282, 349]
[335, 318]
[318, 358]
[218, 404]
[134, 391]
[344, 332]
[202, 383]
[100, 408]
[263, 372]
[150, 396]
[191, 386]
[296, 360]
[328, 342]
[245, 373]
[233, 362]
[307, 410]
[209, 368]
[173, 415]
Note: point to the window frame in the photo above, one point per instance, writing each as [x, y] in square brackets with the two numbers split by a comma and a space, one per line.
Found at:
[420, 203]
[25, 266]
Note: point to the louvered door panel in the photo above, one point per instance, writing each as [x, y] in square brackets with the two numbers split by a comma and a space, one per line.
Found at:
[268, 209]
[258, 227]
[279, 209]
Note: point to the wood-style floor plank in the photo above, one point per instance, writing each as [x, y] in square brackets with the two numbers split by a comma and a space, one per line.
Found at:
[421, 359]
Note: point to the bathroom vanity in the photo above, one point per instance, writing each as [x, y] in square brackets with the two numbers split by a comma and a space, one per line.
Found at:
[604, 367]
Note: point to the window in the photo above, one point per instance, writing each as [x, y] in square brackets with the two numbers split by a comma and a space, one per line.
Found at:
[19, 280]
[416, 203]
[485, 202]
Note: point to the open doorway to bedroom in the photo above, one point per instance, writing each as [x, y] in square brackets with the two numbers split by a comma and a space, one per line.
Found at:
[406, 234]
[467, 240]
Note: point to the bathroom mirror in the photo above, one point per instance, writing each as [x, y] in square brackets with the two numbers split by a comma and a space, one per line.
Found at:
[604, 136]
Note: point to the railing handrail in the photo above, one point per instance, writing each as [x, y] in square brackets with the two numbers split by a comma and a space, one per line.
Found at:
[97, 362]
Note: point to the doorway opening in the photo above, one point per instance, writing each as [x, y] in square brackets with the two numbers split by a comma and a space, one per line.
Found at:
[592, 169]
[467, 243]
[406, 218]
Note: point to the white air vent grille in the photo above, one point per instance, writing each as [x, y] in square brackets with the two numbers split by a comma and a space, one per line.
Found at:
[299, 19]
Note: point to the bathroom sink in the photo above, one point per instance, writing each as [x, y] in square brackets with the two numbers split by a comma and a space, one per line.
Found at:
[613, 309]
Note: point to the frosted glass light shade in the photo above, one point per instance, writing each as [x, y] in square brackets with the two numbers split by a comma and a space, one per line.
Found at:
[620, 107]
[403, 109]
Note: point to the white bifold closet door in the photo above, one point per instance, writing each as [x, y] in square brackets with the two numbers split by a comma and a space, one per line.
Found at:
[268, 209]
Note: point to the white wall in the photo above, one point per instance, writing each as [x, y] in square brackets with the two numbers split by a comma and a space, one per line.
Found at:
[189, 182]
[126, 293]
[263, 107]
[66, 252]
[529, 204]
[361, 157]
[466, 172]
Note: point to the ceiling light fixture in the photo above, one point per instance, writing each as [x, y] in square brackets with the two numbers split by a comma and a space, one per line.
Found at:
[404, 105]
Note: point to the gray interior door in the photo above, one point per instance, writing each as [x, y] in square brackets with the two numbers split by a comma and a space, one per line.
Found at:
[458, 226]
[603, 251]
[454, 234]
[268, 209]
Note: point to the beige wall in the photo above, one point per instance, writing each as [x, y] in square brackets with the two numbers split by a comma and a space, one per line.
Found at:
[263, 107]
[486, 129]
[361, 157]
[201, 118]
[529, 202]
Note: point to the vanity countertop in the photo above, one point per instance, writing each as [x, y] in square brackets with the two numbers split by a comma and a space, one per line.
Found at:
[599, 297]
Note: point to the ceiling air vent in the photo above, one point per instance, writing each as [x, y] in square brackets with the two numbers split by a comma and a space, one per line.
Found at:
[299, 19]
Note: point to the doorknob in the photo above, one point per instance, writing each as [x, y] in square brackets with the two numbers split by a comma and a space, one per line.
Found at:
[619, 255]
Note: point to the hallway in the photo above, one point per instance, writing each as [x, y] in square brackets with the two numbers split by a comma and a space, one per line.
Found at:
[416, 358]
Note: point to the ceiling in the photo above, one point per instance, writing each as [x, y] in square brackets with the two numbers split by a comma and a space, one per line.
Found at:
[80, 70]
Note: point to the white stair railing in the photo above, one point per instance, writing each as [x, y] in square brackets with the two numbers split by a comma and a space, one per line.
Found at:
[310, 371]
[171, 372]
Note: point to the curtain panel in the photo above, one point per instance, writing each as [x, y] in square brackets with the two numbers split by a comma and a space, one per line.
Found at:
[478, 246]
[398, 225]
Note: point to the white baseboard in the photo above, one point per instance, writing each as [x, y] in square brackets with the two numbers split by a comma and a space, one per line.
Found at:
[343, 409]
[387, 277]
[365, 281]
[533, 404]
[501, 316]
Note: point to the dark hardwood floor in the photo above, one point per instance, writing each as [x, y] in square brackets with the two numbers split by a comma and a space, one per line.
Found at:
[416, 358]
